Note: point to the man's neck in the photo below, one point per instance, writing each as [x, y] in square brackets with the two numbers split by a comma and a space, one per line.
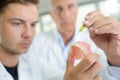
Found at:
[67, 37]
[8, 59]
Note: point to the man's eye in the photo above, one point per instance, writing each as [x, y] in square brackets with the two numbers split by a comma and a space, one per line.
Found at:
[70, 6]
[33, 25]
[16, 23]
[59, 9]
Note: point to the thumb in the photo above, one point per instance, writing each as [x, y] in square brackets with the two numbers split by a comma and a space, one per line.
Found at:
[70, 63]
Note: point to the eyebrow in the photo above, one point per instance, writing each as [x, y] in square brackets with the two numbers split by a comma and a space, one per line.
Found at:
[56, 7]
[35, 22]
[71, 4]
[11, 19]
[22, 20]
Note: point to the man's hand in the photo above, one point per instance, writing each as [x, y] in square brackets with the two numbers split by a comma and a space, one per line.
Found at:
[87, 69]
[105, 32]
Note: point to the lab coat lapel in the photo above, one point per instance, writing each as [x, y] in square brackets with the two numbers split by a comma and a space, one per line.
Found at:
[24, 70]
[56, 51]
[4, 75]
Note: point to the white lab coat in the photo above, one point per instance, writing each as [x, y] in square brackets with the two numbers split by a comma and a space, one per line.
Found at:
[27, 70]
[47, 50]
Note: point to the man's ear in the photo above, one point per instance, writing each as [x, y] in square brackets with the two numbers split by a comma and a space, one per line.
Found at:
[1, 18]
[0, 39]
[51, 14]
[0, 32]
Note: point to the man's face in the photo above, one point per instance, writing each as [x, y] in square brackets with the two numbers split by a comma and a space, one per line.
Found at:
[64, 13]
[17, 27]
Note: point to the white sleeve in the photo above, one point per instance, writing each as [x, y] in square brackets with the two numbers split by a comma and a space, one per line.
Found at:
[114, 72]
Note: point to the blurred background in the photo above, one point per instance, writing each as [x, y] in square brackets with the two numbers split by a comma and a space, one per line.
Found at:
[107, 7]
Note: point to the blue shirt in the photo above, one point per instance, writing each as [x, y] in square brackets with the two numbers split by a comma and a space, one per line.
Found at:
[65, 48]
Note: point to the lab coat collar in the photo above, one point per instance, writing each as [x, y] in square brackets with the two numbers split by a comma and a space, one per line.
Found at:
[23, 69]
[4, 75]
[2, 70]
[23, 62]
[60, 40]
[64, 48]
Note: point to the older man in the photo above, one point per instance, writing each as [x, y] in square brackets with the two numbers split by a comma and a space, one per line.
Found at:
[53, 47]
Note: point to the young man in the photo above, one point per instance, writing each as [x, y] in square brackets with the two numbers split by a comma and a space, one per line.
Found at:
[17, 28]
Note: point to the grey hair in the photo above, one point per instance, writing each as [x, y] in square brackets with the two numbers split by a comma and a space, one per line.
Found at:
[50, 4]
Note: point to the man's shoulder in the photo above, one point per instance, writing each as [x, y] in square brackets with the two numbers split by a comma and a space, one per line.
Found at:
[48, 34]
[45, 35]
[44, 38]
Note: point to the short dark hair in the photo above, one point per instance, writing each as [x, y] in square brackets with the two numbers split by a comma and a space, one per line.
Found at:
[5, 3]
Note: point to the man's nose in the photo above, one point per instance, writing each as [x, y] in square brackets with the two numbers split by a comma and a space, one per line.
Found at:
[27, 32]
[65, 14]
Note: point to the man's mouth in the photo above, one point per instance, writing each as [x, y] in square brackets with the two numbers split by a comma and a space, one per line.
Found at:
[25, 44]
